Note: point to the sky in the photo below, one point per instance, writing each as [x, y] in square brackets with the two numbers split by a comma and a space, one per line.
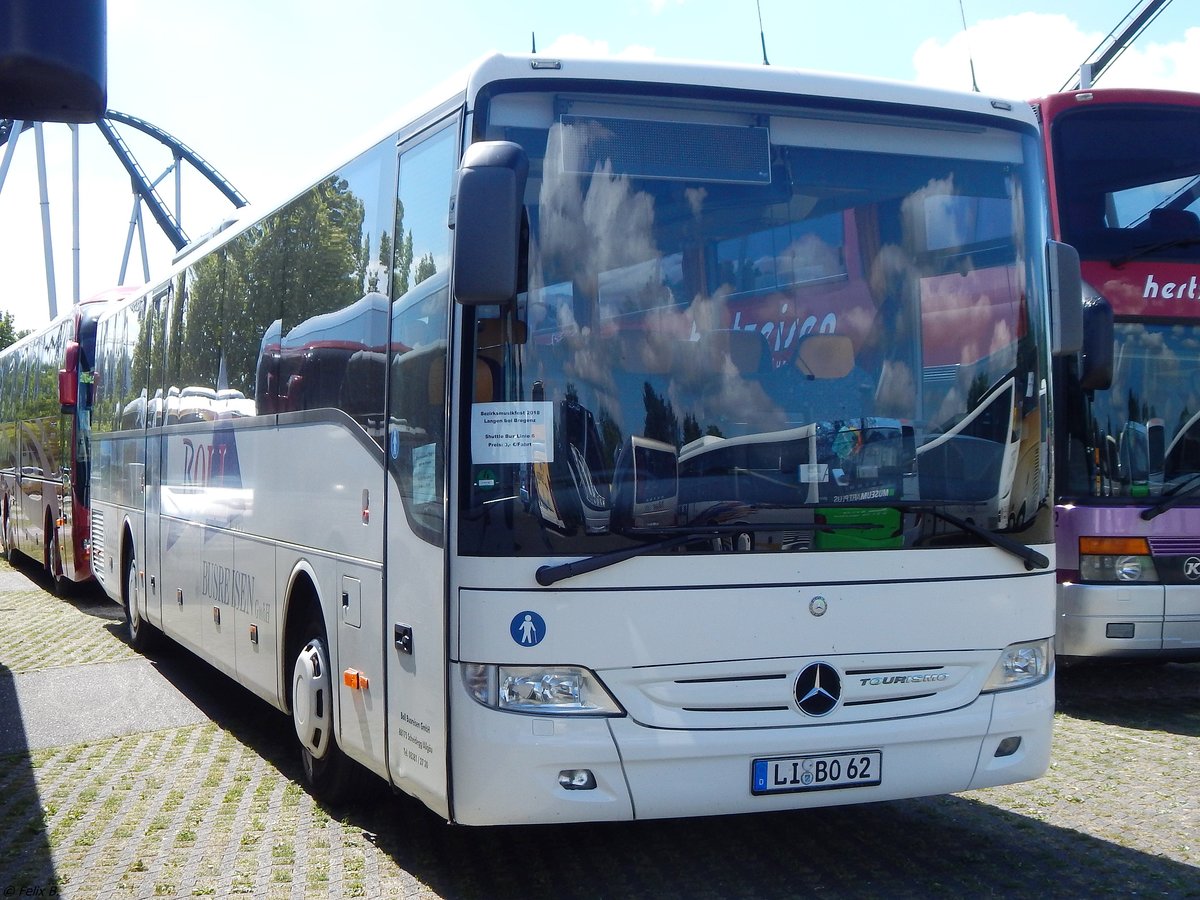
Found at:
[273, 93]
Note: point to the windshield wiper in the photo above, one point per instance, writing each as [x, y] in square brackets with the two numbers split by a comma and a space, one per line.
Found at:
[675, 537]
[1032, 559]
[1173, 497]
[548, 575]
[1144, 249]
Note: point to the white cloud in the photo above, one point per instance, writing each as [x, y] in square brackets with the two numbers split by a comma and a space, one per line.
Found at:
[1022, 56]
[1175, 65]
[1018, 56]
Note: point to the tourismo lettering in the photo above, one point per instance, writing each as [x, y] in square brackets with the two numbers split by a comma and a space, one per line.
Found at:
[1171, 290]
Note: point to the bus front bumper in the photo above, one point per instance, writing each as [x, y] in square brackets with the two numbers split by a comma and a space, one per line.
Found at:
[1128, 621]
[511, 768]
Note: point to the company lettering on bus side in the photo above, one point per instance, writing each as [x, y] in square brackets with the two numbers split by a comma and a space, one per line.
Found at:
[1171, 290]
[203, 462]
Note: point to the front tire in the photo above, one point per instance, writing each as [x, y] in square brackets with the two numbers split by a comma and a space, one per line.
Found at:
[139, 632]
[325, 768]
[59, 583]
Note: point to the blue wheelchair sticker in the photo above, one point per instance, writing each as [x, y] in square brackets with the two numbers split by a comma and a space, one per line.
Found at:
[527, 628]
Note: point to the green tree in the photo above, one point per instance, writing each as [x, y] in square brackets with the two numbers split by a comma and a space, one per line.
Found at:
[611, 438]
[403, 264]
[661, 422]
[307, 259]
[426, 267]
[8, 330]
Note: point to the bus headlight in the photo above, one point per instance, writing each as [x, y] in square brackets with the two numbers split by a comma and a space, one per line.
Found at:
[539, 690]
[1022, 665]
[1113, 569]
[1116, 560]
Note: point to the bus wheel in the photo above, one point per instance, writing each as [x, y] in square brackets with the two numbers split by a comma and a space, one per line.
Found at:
[140, 632]
[53, 560]
[312, 716]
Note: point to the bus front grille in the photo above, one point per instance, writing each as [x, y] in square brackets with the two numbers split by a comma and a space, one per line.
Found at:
[769, 693]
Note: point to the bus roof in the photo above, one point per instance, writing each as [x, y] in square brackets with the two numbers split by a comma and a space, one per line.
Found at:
[773, 79]
[465, 85]
[1053, 104]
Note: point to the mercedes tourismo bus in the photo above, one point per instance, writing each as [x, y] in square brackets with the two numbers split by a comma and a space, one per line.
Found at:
[45, 463]
[1125, 175]
[616, 440]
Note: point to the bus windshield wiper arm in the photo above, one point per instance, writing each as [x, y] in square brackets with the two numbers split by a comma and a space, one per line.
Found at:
[672, 537]
[548, 575]
[1032, 559]
[1144, 249]
[1182, 491]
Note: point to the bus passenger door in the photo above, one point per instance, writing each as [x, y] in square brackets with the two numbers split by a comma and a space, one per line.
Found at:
[415, 617]
[416, 589]
[150, 561]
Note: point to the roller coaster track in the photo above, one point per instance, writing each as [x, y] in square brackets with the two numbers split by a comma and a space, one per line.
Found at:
[145, 189]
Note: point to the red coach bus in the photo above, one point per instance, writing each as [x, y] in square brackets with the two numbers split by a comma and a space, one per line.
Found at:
[45, 435]
[1124, 169]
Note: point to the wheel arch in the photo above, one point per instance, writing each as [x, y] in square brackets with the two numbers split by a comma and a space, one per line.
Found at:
[52, 548]
[49, 528]
[302, 600]
[128, 551]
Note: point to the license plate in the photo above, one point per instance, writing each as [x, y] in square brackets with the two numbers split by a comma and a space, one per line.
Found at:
[816, 772]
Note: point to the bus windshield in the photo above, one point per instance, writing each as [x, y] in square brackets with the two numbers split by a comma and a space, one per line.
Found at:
[1128, 193]
[790, 339]
[1146, 428]
[1128, 182]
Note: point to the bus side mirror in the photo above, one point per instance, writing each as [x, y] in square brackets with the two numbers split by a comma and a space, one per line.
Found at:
[1096, 355]
[68, 378]
[1066, 298]
[486, 218]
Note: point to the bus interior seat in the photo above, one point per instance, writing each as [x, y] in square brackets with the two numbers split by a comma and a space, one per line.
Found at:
[747, 350]
[833, 387]
[1174, 221]
[487, 379]
[417, 399]
[489, 334]
[825, 357]
[361, 394]
[490, 339]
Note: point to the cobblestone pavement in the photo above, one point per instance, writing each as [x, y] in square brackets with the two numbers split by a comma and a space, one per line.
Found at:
[214, 808]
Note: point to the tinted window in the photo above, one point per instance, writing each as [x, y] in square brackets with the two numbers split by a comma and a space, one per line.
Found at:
[417, 370]
[333, 250]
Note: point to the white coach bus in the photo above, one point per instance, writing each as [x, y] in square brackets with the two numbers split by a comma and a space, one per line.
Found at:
[616, 440]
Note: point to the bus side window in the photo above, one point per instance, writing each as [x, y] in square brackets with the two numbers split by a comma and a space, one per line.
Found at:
[417, 414]
[494, 342]
[416, 447]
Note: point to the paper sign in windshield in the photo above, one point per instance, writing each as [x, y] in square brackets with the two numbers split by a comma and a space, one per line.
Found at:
[512, 433]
